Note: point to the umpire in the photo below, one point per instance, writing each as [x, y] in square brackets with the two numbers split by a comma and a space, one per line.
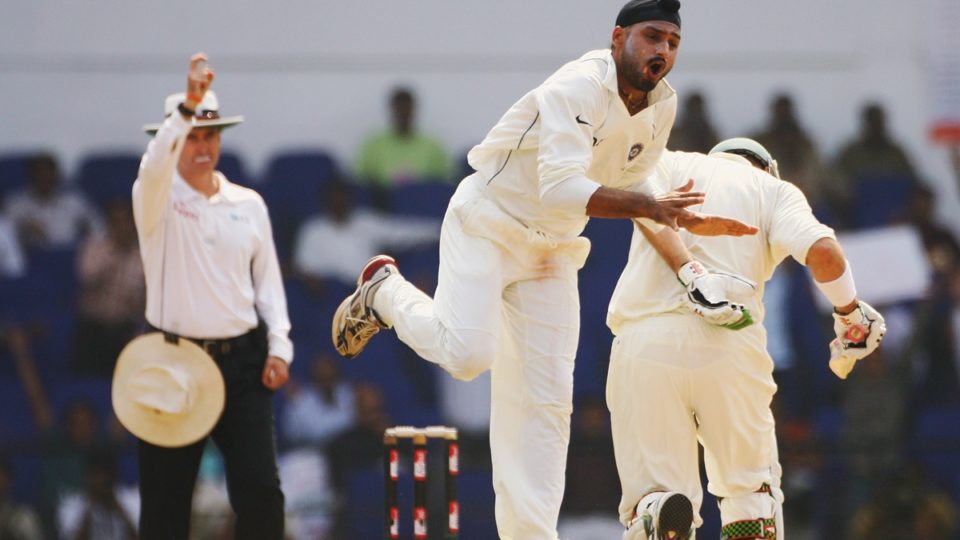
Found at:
[213, 278]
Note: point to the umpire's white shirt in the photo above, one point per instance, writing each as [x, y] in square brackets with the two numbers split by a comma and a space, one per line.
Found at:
[210, 264]
[734, 189]
[547, 155]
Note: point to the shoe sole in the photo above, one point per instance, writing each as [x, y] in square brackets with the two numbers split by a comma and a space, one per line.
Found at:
[338, 317]
[675, 518]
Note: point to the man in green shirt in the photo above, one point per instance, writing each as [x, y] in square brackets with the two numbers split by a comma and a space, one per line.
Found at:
[401, 154]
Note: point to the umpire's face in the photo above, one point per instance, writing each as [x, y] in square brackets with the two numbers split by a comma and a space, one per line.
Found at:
[201, 152]
[645, 52]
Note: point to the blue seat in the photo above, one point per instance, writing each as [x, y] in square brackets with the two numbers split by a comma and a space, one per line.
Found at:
[296, 180]
[364, 494]
[67, 390]
[420, 266]
[609, 247]
[108, 176]
[880, 199]
[52, 279]
[13, 172]
[475, 491]
[423, 199]
[463, 166]
[311, 312]
[938, 439]
[17, 422]
[231, 165]
[292, 188]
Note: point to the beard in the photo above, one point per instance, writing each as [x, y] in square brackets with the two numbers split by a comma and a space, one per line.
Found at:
[636, 73]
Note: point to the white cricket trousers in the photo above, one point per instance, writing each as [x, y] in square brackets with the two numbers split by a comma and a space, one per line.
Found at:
[673, 379]
[506, 300]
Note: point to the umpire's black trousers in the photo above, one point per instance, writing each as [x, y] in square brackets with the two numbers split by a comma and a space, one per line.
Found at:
[245, 438]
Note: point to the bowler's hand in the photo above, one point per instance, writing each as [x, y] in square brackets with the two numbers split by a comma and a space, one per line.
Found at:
[199, 79]
[275, 373]
[710, 225]
[670, 207]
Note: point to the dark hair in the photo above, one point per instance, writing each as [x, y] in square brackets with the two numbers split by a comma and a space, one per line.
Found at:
[401, 93]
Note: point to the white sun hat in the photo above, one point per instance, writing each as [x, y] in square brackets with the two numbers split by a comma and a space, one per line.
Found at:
[207, 113]
[167, 394]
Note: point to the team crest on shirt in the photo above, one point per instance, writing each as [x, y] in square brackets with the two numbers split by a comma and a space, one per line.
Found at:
[634, 151]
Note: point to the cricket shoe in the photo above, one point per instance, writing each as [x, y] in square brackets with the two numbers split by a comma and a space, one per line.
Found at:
[355, 321]
[668, 518]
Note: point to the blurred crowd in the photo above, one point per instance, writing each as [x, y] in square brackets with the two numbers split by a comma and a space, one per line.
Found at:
[875, 456]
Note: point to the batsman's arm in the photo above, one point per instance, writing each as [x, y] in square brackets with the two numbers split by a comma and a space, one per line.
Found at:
[858, 326]
[832, 274]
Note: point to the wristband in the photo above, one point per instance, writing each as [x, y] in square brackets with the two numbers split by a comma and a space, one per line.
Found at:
[185, 111]
[194, 97]
[841, 291]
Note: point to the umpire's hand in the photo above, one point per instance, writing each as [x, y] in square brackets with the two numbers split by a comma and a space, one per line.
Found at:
[275, 373]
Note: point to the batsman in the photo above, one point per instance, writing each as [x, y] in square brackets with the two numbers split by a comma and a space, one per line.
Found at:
[674, 379]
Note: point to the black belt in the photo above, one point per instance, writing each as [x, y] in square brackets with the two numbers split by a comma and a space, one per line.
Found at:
[213, 347]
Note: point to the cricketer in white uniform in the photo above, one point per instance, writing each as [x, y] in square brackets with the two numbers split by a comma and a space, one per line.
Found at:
[674, 378]
[510, 250]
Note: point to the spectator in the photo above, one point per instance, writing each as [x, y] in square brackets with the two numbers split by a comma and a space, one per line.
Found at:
[874, 152]
[905, 506]
[693, 132]
[871, 158]
[17, 521]
[17, 340]
[401, 154]
[67, 450]
[360, 447]
[46, 215]
[797, 155]
[940, 243]
[591, 495]
[112, 293]
[320, 410]
[801, 454]
[102, 510]
[334, 245]
[874, 421]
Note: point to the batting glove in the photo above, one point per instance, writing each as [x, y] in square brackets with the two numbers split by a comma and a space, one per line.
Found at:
[709, 293]
[859, 333]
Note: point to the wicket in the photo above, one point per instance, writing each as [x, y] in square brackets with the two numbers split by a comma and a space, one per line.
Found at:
[419, 436]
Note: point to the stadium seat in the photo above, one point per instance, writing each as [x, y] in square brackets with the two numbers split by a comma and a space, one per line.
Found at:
[13, 173]
[52, 280]
[292, 188]
[108, 176]
[880, 200]
[17, 423]
[231, 165]
[422, 199]
[937, 437]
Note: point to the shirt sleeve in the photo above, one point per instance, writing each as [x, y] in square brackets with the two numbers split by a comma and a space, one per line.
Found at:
[793, 227]
[152, 187]
[570, 108]
[270, 298]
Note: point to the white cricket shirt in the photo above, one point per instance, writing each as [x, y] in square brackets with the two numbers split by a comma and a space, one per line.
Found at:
[735, 189]
[573, 130]
[210, 264]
